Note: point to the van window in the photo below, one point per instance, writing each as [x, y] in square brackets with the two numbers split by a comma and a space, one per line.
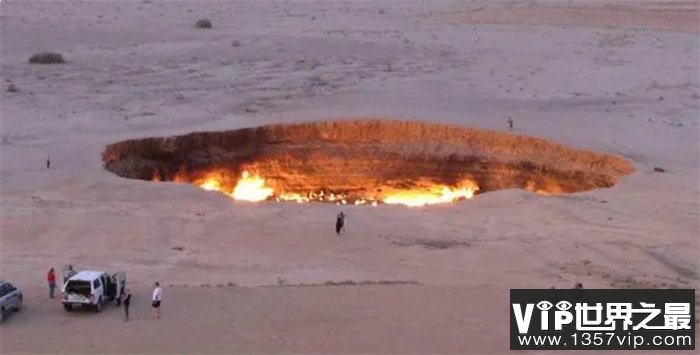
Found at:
[79, 287]
[96, 284]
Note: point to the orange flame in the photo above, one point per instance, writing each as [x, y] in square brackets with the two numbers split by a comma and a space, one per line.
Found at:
[293, 196]
[435, 195]
[251, 188]
[210, 184]
[254, 188]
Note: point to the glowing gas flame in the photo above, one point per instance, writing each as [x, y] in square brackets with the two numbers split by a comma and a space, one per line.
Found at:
[293, 196]
[210, 184]
[251, 188]
[436, 195]
[254, 188]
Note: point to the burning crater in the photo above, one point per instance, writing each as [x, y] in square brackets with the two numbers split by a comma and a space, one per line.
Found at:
[363, 162]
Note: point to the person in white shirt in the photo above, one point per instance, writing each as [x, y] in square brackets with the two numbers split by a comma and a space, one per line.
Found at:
[157, 297]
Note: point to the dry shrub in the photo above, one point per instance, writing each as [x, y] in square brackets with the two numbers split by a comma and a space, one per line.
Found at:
[434, 243]
[46, 58]
[203, 23]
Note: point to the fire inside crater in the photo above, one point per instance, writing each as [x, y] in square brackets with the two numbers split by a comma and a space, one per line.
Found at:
[363, 162]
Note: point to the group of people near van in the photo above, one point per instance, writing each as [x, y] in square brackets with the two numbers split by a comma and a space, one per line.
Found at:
[157, 295]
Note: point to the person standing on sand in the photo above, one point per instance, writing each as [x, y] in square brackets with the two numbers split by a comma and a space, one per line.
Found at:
[510, 123]
[68, 273]
[126, 299]
[48, 161]
[51, 279]
[157, 297]
[340, 223]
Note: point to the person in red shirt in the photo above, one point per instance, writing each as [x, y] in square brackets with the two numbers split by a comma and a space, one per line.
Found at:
[51, 278]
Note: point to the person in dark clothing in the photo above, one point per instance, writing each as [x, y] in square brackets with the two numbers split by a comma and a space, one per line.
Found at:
[340, 222]
[510, 123]
[48, 161]
[68, 273]
[126, 299]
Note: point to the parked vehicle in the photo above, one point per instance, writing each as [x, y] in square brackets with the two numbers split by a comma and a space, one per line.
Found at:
[10, 299]
[93, 289]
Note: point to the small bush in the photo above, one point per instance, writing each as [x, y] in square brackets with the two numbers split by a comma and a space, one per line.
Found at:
[46, 58]
[317, 80]
[203, 23]
[340, 283]
[12, 88]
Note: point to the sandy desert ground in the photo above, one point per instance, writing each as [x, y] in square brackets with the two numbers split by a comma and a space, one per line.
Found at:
[619, 77]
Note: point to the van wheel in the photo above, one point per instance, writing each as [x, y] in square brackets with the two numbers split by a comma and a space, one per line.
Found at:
[68, 307]
[98, 306]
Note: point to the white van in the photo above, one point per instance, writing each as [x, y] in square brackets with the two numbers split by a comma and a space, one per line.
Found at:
[93, 288]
